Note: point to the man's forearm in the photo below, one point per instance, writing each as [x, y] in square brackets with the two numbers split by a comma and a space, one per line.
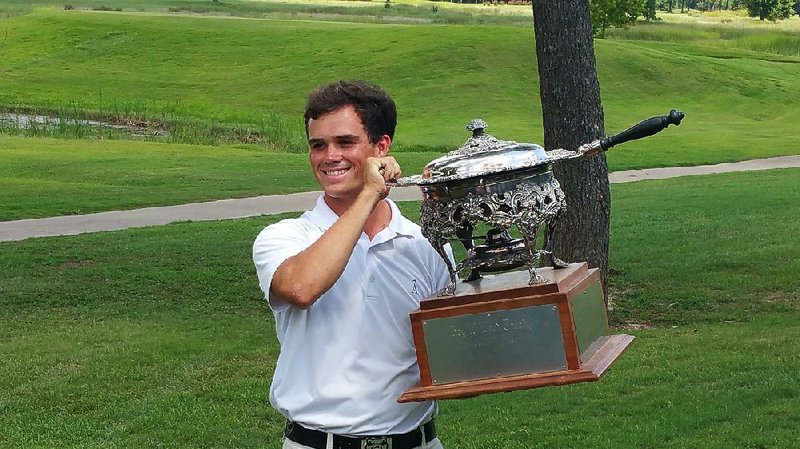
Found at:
[303, 278]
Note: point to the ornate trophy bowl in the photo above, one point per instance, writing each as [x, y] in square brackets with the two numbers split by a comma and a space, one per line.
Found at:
[502, 184]
[513, 330]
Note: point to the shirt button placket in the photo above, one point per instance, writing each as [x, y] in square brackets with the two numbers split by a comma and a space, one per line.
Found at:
[369, 277]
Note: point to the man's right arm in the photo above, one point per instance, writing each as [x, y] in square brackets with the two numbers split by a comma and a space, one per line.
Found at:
[301, 279]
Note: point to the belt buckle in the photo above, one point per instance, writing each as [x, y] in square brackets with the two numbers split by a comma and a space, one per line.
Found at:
[376, 443]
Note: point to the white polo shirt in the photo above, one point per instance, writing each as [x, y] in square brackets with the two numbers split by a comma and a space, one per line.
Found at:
[346, 359]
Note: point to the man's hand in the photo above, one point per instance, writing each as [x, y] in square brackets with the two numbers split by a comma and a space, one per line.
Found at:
[377, 172]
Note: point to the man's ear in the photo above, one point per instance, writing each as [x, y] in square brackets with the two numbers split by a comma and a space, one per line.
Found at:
[382, 145]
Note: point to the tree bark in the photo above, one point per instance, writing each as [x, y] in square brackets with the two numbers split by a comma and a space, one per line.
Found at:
[573, 115]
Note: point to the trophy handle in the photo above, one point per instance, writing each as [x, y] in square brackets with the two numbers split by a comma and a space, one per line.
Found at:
[645, 128]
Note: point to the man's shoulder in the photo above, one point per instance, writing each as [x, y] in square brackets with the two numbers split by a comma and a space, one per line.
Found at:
[410, 225]
[286, 227]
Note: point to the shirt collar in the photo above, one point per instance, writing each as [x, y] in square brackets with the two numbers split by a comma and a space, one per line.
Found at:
[324, 217]
[399, 224]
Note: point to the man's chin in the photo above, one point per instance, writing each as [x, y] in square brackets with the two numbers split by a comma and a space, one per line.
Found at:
[340, 194]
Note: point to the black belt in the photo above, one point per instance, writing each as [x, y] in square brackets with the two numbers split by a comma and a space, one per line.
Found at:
[318, 439]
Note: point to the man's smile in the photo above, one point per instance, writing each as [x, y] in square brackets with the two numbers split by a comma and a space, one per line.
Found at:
[335, 171]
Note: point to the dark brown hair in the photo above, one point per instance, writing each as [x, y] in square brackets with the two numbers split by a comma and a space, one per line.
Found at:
[374, 107]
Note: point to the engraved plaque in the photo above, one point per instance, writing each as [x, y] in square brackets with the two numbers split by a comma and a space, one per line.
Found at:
[502, 334]
[497, 343]
[591, 323]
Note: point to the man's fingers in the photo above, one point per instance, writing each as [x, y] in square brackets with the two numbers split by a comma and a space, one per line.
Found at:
[389, 168]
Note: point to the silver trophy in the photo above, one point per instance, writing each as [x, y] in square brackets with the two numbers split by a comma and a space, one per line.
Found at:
[503, 184]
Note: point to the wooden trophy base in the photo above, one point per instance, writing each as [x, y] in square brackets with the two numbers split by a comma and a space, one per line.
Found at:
[500, 334]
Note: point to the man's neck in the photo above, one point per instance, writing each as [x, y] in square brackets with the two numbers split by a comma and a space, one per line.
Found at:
[377, 221]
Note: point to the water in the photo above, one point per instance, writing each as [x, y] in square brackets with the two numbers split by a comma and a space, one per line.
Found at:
[28, 121]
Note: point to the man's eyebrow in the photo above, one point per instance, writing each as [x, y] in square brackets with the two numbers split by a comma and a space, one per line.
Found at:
[347, 137]
[338, 137]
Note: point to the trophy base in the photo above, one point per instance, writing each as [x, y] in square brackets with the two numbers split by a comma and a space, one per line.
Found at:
[499, 334]
[591, 371]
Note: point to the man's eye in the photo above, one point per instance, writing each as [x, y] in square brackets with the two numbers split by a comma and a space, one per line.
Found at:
[317, 146]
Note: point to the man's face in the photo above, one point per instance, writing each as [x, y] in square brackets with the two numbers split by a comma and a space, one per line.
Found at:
[338, 150]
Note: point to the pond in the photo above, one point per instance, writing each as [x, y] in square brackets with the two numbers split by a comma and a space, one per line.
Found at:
[134, 128]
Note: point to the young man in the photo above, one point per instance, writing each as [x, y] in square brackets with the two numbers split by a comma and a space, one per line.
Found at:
[342, 280]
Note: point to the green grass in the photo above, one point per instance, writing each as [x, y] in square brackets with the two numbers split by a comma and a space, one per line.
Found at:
[730, 19]
[769, 41]
[238, 71]
[170, 354]
[245, 68]
[719, 248]
[178, 379]
[174, 380]
[722, 29]
[375, 11]
[212, 80]
[693, 387]
[159, 337]
[42, 177]
[133, 121]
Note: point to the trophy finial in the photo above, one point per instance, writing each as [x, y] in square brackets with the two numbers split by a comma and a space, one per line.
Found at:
[476, 127]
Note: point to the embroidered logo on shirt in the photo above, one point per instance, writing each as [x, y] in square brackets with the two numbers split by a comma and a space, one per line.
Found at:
[414, 286]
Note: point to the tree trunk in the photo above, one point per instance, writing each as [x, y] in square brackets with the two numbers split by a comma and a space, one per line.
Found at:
[573, 115]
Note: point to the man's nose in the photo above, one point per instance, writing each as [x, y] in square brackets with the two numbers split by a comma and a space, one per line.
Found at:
[333, 152]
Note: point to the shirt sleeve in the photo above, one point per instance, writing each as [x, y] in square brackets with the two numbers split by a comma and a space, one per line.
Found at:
[272, 247]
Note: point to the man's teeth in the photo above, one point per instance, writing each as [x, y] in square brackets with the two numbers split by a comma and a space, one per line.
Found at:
[336, 172]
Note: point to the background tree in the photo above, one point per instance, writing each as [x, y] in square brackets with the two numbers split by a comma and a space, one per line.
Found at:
[770, 9]
[797, 7]
[650, 10]
[613, 13]
[573, 115]
[737, 4]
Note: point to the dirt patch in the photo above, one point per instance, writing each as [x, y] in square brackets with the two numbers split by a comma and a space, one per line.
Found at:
[631, 326]
[775, 297]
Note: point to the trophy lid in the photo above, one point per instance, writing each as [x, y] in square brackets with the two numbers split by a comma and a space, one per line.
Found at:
[481, 155]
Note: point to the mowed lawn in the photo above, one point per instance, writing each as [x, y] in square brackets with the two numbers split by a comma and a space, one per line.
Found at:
[205, 75]
[238, 70]
[159, 337]
[49, 177]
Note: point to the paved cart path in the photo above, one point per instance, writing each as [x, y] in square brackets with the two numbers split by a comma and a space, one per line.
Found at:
[274, 204]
